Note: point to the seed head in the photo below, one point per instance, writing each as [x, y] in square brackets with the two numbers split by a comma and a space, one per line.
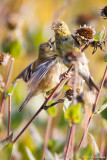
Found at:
[85, 32]
[4, 58]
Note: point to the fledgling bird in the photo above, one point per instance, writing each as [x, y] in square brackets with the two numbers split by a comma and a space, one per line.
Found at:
[65, 42]
[82, 66]
[43, 74]
[45, 52]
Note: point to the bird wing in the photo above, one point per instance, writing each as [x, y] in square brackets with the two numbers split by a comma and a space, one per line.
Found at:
[40, 72]
[25, 74]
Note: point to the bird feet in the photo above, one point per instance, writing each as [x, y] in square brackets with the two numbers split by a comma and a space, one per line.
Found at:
[65, 75]
[53, 104]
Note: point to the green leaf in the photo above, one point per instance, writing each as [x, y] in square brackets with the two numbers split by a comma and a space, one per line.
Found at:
[103, 107]
[86, 153]
[73, 114]
[105, 58]
[100, 35]
[52, 111]
[97, 37]
[65, 88]
[97, 153]
[29, 153]
[5, 154]
[104, 112]
[6, 141]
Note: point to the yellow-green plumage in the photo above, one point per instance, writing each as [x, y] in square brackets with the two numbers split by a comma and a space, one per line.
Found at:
[65, 42]
[63, 38]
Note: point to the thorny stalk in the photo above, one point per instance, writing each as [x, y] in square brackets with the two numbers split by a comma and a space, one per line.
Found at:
[6, 84]
[9, 114]
[42, 107]
[93, 109]
[47, 135]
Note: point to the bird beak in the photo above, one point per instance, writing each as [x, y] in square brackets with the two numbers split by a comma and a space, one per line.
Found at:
[54, 27]
[50, 40]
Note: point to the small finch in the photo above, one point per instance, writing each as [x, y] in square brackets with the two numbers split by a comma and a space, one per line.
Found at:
[82, 66]
[65, 43]
[45, 52]
[44, 73]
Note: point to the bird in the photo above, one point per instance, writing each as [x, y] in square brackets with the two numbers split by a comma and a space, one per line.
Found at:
[74, 56]
[63, 38]
[45, 52]
[43, 74]
[65, 42]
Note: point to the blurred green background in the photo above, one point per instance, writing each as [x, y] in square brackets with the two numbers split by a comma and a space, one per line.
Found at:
[32, 25]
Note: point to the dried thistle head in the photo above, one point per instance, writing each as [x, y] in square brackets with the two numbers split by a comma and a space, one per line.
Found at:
[12, 21]
[85, 33]
[104, 12]
[4, 58]
[69, 94]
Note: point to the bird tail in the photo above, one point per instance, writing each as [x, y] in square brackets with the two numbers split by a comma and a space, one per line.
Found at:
[92, 84]
[23, 104]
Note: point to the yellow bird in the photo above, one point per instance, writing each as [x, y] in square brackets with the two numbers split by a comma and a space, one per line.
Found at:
[65, 42]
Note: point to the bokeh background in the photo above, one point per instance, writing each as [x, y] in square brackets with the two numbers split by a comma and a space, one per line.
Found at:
[32, 20]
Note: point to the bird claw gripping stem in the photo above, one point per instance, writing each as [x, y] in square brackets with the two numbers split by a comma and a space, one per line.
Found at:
[53, 104]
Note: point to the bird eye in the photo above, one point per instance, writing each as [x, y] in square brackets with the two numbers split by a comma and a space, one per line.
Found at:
[60, 24]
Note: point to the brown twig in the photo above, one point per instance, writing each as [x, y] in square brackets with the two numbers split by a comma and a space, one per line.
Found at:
[72, 143]
[69, 141]
[47, 135]
[9, 73]
[102, 142]
[6, 84]
[93, 109]
[9, 114]
[71, 128]
[42, 107]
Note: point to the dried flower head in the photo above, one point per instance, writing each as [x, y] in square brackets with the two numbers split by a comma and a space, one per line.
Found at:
[104, 12]
[4, 58]
[12, 21]
[69, 94]
[85, 32]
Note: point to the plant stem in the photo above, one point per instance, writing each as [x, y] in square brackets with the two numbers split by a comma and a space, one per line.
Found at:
[102, 142]
[6, 85]
[93, 109]
[69, 141]
[72, 142]
[9, 114]
[47, 135]
[9, 73]
[22, 131]
[71, 128]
